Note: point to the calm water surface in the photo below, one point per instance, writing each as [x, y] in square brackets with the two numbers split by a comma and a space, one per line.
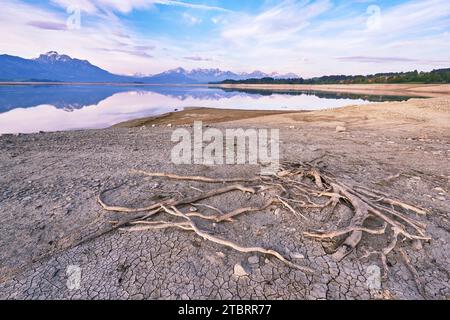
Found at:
[26, 109]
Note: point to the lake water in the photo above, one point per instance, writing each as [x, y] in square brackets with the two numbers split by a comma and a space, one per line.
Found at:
[26, 108]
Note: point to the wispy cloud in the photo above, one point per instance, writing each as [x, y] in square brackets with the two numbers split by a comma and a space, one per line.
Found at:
[191, 5]
[277, 23]
[48, 25]
[363, 59]
[136, 53]
[126, 6]
[191, 19]
[197, 58]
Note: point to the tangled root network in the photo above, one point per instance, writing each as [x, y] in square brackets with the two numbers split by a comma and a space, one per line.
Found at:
[298, 188]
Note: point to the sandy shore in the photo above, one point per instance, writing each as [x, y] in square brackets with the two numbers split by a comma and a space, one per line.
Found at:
[414, 90]
[49, 211]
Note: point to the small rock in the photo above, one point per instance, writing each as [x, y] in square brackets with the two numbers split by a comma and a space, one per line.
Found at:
[239, 270]
[192, 209]
[291, 127]
[441, 198]
[169, 125]
[253, 260]
[27, 199]
[220, 254]
[277, 211]
[439, 189]
[341, 129]
[417, 245]
[153, 125]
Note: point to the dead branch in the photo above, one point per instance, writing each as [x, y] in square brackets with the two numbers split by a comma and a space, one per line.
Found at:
[174, 211]
[194, 178]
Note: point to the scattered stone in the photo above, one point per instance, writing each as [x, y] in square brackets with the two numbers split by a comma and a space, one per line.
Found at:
[27, 199]
[253, 260]
[192, 209]
[417, 245]
[220, 254]
[277, 211]
[439, 190]
[441, 198]
[169, 125]
[340, 129]
[239, 270]
[153, 125]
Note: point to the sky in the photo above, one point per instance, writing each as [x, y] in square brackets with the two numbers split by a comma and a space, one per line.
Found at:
[309, 38]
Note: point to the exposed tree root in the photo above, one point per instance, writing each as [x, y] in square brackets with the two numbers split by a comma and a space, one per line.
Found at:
[417, 279]
[299, 188]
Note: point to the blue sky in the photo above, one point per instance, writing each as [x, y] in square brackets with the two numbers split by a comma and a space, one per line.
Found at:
[310, 38]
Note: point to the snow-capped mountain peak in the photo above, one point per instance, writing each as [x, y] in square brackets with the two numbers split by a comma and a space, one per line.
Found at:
[53, 56]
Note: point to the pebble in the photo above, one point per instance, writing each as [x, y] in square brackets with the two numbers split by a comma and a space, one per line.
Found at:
[439, 190]
[239, 270]
[417, 245]
[341, 129]
[192, 209]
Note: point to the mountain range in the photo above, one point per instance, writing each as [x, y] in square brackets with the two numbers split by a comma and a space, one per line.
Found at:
[53, 67]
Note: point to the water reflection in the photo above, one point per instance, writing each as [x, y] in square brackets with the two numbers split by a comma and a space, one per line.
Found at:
[61, 107]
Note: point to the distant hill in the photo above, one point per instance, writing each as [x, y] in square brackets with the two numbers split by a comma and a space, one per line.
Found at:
[53, 67]
[435, 76]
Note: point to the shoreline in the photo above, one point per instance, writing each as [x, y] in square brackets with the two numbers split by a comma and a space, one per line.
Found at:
[432, 110]
[412, 89]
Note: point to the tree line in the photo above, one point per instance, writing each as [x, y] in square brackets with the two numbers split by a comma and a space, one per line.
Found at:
[435, 76]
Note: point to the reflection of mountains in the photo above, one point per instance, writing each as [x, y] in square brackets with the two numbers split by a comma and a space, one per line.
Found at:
[62, 97]
[71, 97]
